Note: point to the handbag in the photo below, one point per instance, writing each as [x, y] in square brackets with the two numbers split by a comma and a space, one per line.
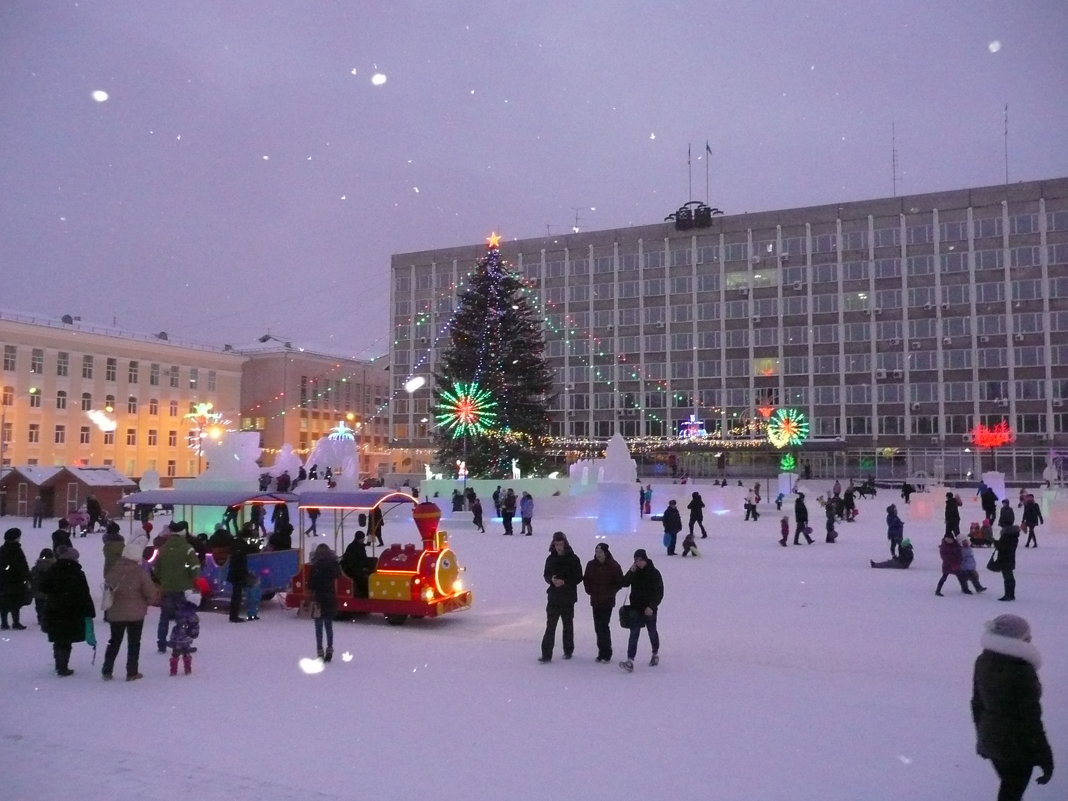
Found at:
[994, 565]
[626, 616]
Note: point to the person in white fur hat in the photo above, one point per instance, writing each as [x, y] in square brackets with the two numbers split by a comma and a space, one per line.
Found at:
[1006, 706]
[133, 591]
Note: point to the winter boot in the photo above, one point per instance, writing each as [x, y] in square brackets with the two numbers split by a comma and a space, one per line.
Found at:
[174, 666]
[187, 664]
[320, 653]
[627, 666]
[654, 660]
[329, 653]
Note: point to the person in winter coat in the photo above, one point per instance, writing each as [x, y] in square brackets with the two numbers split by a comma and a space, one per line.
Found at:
[113, 545]
[989, 501]
[949, 551]
[508, 503]
[69, 604]
[61, 536]
[901, 560]
[1030, 520]
[602, 579]
[672, 522]
[133, 591]
[895, 529]
[95, 512]
[646, 592]
[697, 513]
[14, 580]
[801, 518]
[375, 523]
[1005, 547]
[45, 560]
[476, 514]
[849, 504]
[237, 575]
[641, 501]
[186, 630]
[322, 577]
[357, 565]
[526, 514]
[1007, 706]
[952, 515]
[1006, 517]
[832, 512]
[967, 565]
[689, 545]
[562, 574]
[39, 510]
[176, 568]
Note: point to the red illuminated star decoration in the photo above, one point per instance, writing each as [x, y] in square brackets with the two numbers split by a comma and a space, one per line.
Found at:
[993, 436]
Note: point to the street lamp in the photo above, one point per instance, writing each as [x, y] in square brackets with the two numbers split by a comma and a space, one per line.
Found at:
[287, 346]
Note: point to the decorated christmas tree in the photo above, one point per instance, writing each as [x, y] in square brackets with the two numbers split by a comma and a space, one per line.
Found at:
[493, 385]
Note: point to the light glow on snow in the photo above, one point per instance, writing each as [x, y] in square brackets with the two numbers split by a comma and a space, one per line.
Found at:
[100, 95]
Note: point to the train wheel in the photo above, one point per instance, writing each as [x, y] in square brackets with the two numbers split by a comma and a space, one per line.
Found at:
[396, 620]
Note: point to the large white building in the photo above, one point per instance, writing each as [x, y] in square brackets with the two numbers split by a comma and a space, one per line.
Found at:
[896, 325]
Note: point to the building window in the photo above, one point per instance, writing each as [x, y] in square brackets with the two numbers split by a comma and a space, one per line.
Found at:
[211, 380]
[37, 361]
[87, 366]
[9, 357]
[174, 377]
[153, 375]
[172, 468]
[131, 373]
[172, 408]
[131, 436]
[172, 439]
[153, 406]
[111, 369]
[33, 434]
[35, 399]
[61, 399]
[109, 437]
[83, 435]
[131, 405]
[109, 403]
[153, 437]
[194, 377]
[61, 434]
[62, 363]
[9, 396]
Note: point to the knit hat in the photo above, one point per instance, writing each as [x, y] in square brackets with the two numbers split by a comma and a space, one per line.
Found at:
[69, 553]
[641, 554]
[112, 534]
[113, 528]
[178, 525]
[11, 535]
[949, 495]
[1012, 626]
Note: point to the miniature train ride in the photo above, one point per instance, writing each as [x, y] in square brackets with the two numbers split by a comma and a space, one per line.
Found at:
[408, 581]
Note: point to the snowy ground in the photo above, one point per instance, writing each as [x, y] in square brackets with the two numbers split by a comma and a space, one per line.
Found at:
[787, 673]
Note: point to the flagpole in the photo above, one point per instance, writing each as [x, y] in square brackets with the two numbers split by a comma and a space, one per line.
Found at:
[708, 158]
[689, 172]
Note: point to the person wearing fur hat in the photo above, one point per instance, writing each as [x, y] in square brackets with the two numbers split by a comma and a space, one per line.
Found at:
[1006, 706]
[562, 574]
[646, 592]
[176, 568]
[133, 591]
[14, 579]
[69, 604]
[602, 579]
[113, 545]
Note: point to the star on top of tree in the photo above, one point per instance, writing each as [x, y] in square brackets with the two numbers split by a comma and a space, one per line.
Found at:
[494, 240]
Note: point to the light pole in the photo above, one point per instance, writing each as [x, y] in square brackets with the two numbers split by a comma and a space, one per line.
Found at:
[287, 347]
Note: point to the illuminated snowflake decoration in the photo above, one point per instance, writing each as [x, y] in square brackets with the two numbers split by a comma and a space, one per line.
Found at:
[788, 463]
[466, 410]
[205, 423]
[787, 427]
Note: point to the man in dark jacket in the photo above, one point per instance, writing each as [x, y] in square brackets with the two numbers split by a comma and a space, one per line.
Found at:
[1006, 545]
[989, 501]
[237, 575]
[1006, 706]
[14, 579]
[1030, 519]
[646, 592]
[672, 522]
[601, 580]
[952, 515]
[801, 518]
[1006, 517]
[563, 574]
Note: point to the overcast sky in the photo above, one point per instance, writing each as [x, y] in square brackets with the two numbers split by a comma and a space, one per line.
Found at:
[248, 172]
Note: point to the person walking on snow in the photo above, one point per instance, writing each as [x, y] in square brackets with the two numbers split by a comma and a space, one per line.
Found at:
[672, 522]
[801, 518]
[646, 593]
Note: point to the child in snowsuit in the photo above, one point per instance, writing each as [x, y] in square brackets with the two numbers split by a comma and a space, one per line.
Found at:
[689, 545]
[186, 629]
[967, 565]
[784, 530]
[832, 512]
[253, 596]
